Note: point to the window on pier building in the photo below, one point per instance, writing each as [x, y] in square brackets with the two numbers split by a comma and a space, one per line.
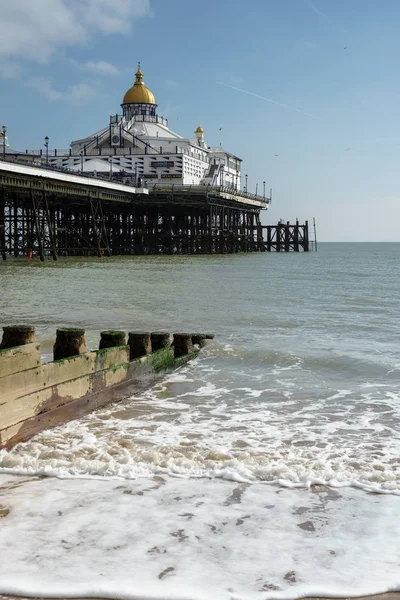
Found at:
[132, 110]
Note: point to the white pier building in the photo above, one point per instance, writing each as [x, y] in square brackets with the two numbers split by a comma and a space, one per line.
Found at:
[138, 145]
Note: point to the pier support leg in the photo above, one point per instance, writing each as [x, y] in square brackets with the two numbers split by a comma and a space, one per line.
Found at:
[39, 232]
[306, 239]
[96, 223]
[2, 227]
[99, 229]
[50, 227]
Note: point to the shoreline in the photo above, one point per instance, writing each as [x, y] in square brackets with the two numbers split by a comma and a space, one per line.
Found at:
[383, 596]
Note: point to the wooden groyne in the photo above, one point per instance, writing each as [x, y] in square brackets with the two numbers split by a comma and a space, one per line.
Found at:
[35, 396]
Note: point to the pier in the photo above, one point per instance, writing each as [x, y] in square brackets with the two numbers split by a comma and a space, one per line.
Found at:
[51, 212]
[135, 187]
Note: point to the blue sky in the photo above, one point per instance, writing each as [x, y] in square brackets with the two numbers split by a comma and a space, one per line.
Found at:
[315, 82]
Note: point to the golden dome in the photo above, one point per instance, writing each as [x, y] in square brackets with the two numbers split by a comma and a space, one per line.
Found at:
[139, 93]
[199, 129]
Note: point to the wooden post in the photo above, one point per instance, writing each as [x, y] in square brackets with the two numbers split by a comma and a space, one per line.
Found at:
[199, 339]
[315, 236]
[69, 342]
[159, 340]
[111, 339]
[182, 344]
[17, 335]
[139, 344]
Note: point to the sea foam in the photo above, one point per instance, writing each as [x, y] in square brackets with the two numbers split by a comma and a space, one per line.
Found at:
[194, 539]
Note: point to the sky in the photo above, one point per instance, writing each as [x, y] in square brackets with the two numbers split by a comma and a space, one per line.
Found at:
[306, 92]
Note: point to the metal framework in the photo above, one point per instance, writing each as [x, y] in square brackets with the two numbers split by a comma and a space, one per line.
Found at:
[40, 216]
[285, 237]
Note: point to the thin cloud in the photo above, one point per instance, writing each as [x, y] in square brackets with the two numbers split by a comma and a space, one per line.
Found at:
[34, 30]
[78, 94]
[100, 67]
[298, 110]
[325, 17]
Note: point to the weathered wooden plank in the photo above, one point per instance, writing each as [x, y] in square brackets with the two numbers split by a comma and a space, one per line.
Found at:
[140, 374]
[20, 358]
[26, 382]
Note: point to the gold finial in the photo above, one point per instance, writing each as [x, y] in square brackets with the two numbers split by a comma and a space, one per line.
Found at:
[138, 93]
[139, 74]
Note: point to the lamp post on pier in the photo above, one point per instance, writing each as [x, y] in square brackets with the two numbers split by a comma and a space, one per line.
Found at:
[4, 130]
[264, 189]
[46, 145]
[81, 153]
[246, 183]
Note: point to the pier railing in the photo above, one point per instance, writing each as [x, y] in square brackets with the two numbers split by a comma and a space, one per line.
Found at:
[205, 189]
[38, 164]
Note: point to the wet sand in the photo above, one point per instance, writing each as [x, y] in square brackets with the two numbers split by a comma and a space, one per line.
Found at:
[386, 596]
[166, 525]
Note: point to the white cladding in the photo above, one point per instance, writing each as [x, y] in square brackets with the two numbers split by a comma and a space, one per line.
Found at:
[144, 147]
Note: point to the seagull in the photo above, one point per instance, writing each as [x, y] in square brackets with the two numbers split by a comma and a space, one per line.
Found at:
[220, 129]
[346, 149]
[276, 154]
[345, 48]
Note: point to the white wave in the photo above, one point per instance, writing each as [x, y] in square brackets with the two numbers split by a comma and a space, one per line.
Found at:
[197, 423]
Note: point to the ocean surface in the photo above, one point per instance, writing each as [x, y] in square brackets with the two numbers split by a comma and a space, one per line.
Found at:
[269, 467]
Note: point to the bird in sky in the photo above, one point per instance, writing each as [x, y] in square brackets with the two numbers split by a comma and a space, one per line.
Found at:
[346, 149]
[220, 129]
[276, 154]
[345, 48]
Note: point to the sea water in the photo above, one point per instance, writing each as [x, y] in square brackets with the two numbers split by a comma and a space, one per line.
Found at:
[266, 468]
